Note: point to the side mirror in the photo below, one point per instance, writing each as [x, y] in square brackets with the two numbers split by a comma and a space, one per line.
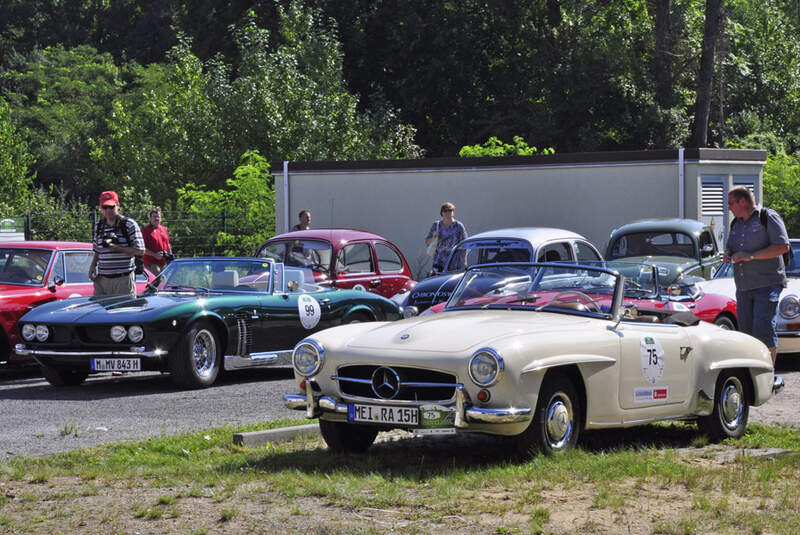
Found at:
[706, 251]
[55, 281]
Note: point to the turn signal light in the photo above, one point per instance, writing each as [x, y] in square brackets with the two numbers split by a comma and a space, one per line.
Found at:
[484, 395]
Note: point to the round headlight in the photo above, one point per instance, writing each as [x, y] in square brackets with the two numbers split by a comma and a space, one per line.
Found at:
[410, 311]
[118, 333]
[789, 307]
[485, 367]
[308, 357]
[42, 333]
[135, 333]
[28, 332]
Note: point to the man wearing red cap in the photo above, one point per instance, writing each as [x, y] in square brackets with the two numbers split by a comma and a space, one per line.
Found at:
[117, 242]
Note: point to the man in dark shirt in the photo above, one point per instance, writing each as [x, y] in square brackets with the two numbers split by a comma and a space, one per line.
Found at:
[756, 252]
[305, 220]
[117, 241]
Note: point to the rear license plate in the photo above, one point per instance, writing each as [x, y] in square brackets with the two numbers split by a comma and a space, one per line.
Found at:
[401, 416]
[116, 365]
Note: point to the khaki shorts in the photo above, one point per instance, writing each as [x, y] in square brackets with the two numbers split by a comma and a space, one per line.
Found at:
[105, 286]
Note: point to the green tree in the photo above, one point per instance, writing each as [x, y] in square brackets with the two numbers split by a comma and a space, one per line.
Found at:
[186, 121]
[781, 183]
[61, 98]
[247, 206]
[16, 176]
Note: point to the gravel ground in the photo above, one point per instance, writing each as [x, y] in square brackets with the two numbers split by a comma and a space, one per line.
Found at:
[38, 419]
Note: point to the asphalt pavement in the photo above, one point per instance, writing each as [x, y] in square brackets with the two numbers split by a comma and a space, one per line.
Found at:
[38, 419]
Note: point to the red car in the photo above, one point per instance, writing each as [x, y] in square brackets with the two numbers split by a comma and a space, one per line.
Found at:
[640, 291]
[344, 258]
[36, 272]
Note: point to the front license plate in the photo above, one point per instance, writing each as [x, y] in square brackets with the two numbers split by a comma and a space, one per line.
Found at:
[402, 416]
[116, 365]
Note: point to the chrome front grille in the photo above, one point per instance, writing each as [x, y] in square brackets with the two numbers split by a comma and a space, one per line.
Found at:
[414, 384]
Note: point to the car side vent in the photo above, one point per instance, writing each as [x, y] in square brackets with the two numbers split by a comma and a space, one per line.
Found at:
[244, 340]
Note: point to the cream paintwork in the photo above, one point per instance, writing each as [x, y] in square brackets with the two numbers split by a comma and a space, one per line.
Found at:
[532, 344]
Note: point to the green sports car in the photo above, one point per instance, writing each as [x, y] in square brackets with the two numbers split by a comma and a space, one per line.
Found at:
[199, 316]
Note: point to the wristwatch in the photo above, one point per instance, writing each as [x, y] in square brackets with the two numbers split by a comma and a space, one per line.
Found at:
[752, 256]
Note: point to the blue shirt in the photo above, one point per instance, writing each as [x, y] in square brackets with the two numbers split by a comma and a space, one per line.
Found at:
[751, 236]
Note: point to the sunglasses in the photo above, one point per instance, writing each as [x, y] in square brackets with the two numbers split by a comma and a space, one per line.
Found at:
[109, 207]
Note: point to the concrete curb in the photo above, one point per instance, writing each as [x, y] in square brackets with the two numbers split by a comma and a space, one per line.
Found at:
[282, 434]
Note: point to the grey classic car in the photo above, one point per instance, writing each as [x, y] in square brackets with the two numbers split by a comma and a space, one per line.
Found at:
[524, 244]
[683, 249]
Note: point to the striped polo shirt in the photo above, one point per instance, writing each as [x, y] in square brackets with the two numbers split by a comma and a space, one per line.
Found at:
[109, 263]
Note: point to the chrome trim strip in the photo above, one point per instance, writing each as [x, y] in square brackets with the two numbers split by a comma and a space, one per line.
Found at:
[22, 350]
[681, 417]
[411, 384]
[255, 360]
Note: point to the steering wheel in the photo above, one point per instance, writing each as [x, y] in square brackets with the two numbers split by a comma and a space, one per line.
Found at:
[583, 299]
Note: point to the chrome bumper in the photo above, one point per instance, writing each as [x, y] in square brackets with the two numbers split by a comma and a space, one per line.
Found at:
[464, 415]
[20, 349]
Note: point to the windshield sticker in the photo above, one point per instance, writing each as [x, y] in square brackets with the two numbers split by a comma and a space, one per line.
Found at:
[652, 359]
[309, 311]
[643, 395]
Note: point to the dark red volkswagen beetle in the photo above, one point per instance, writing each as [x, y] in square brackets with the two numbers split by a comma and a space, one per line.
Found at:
[344, 258]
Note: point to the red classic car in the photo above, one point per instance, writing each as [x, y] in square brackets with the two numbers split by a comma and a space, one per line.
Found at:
[36, 272]
[642, 290]
[344, 258]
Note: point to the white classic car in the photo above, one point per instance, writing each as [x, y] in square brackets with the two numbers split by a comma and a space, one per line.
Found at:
[787, 320]
[536, 352]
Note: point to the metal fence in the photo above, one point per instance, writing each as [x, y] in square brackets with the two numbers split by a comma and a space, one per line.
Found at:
[189, 235]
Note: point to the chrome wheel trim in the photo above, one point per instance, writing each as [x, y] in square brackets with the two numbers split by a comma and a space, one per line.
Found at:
[558, 422]
[204, 352]
[731, 402]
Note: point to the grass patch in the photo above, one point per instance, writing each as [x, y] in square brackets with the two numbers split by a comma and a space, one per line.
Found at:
[428, 486]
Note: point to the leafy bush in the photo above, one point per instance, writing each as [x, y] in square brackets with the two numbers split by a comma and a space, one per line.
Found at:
[494, 147]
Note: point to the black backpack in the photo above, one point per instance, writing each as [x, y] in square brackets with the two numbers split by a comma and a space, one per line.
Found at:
[138, 262]
[762, 217]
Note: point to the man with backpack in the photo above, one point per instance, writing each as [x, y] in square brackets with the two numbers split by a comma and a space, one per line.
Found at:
[118, 248]
[756, 244]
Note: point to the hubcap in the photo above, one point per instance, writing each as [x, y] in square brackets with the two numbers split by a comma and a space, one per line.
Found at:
[732, 402]
[559, 421]
[204, 352]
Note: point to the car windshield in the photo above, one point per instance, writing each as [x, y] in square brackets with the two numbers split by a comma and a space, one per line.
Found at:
[216, 274]
[725, 271]
[493, 251]
[26, 267]
[654, 243]
[311, 254]
[550, 287]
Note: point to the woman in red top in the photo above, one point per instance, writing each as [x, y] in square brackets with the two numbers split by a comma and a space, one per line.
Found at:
[156, 243]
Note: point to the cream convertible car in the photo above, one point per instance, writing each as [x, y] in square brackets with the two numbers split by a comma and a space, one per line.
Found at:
[535, 352]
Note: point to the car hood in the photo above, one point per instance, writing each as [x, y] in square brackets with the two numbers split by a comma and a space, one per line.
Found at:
[433, 290]
[724, 286]
[90, 310]
[474, 328]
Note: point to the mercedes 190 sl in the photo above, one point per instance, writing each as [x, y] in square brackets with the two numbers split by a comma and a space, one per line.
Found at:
[533, 352]
[198, 316]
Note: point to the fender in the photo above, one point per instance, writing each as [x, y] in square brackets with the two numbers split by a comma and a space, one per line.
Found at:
[564, 360]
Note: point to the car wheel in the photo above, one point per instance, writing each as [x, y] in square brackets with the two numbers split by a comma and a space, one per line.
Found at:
[64, 376]
[729, 417]
[196, 363]
[725, 322]
[343, 437]
[556, 422]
